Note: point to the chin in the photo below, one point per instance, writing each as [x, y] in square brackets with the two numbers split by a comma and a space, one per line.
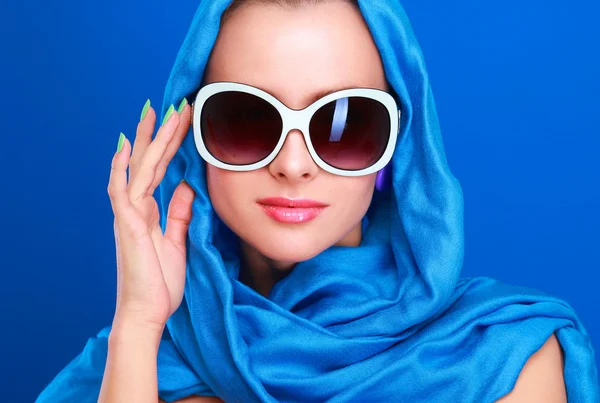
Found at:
[284, 249]
[282, 243]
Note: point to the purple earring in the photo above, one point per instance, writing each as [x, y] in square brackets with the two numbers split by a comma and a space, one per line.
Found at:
[384, 178]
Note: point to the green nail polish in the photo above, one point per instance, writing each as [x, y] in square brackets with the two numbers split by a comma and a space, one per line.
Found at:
[182, 105]
[121, 141]
[145, 109]
[168, 114]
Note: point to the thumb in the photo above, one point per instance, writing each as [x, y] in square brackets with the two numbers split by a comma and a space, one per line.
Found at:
[180, 215]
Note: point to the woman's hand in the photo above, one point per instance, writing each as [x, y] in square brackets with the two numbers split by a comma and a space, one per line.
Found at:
[150, 265]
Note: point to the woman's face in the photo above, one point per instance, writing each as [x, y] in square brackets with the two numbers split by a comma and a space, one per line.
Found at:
[294, 54]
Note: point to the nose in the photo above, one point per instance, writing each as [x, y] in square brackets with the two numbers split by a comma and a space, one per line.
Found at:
[293, 163]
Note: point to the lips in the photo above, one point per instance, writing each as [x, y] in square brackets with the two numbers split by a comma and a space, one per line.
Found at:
[285, 202]
[291, 210]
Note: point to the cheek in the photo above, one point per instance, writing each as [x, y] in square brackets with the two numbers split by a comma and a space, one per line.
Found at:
[223, 187]
[354, 194]
[351, 198]
[233, 197]
[231, 194]
[358, 199]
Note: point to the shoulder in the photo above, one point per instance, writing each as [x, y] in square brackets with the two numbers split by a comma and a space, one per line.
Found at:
[541, 379]
[197, 399]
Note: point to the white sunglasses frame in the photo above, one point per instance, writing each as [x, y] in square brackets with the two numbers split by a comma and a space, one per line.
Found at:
[296, 119]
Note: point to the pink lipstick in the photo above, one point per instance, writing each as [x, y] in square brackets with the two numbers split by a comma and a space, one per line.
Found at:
[291, 210]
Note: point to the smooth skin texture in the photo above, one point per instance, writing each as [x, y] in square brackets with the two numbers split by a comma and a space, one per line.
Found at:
[150, 265]
[302, 52]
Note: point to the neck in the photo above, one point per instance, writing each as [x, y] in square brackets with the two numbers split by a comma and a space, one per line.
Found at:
[261, 272]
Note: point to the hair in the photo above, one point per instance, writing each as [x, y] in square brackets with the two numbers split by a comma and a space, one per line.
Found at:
[289, 4]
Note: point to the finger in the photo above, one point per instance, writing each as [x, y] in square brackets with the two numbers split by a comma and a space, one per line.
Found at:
[179, 216]
[142, 184]
[180, 133]
[124, 211]
[117, 182]
[143, 138]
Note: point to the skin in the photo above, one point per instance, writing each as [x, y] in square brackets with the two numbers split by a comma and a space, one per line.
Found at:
[309, 54]
[304, 59]
[302, 51]
[541, 379]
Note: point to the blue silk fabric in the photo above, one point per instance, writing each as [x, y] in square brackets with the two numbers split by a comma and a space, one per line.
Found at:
[388, 321]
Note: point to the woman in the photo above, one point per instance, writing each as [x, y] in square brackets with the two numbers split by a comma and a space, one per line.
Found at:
[356, 297]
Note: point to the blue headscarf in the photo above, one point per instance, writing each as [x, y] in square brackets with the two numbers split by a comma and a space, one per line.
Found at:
[389, 320]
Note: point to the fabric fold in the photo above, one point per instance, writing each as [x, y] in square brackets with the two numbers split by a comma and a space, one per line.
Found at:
[410, 330]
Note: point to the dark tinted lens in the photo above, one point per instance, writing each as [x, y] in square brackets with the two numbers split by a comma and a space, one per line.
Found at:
[350, 133]
[239, 128]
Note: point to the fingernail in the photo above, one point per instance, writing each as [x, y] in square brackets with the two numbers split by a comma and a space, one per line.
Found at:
[121, 141]
[182, 105]
[183, 180]
[145, 109]
[168, 114]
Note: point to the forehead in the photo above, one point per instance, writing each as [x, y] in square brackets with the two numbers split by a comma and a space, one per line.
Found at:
[297, 53]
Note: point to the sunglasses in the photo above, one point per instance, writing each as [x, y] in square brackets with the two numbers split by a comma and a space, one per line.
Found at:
[351, 132]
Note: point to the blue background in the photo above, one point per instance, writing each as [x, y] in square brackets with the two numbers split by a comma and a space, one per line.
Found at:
[75, 74]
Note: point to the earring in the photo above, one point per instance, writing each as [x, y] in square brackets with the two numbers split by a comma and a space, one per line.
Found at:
[383, 179]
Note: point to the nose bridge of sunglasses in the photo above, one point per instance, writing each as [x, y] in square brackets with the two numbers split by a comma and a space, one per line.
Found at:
[295, 139]
[300, 119]
[295, 135]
